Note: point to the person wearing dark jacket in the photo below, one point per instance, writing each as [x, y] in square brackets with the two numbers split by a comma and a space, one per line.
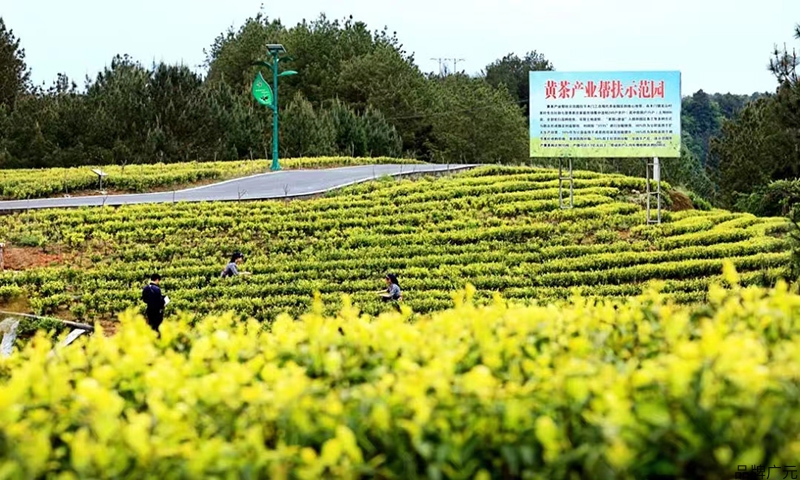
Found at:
[155, 301]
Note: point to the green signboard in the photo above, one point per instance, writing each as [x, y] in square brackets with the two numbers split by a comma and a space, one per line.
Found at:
[262, 92]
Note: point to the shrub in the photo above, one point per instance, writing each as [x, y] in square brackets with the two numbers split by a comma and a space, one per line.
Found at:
[775, 199]
[634, 389]
[28, 239]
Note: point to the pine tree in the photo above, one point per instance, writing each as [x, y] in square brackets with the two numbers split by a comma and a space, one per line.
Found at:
[14, 73]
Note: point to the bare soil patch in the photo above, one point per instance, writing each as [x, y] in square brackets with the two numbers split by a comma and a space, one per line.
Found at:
[25, 258]
[680, 201]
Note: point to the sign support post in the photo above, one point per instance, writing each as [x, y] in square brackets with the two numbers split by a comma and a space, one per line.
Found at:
[100, 174]
[561, 179]
[655, 168]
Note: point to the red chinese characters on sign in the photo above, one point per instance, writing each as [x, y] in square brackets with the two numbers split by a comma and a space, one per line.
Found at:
[658, 89]
[550, 89]
[604, 89]
[616, 89]
[591, 89]
[645, 90]
[564, 90]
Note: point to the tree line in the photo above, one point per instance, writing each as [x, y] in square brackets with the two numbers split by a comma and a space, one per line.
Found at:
[755, 159]
[359, 93]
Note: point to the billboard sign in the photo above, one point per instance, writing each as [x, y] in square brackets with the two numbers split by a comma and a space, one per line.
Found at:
[605, 114]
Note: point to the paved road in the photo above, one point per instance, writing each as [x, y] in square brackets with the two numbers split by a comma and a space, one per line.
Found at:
[282, 184]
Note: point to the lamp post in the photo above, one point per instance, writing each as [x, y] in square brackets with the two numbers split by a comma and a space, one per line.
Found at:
[267, 96]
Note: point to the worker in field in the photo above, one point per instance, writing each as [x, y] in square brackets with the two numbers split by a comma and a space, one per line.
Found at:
[392, 292]
[155, 301]
[232, 269]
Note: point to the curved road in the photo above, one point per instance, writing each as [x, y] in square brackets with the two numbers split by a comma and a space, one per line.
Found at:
[281, 184]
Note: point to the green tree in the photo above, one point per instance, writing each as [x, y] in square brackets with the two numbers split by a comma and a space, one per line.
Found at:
[688, 171]
[784, 67]
[730, 105]
[230, 57]
[121, 106]
[69, 123]
[762, 143]
[513, 71]
[306, 132]
[237, 128]
[388, 81]
[319, 48]
[751, 151]
[14, 73]
[181, 112]
[336, 59]
[474, 122]
[351, 137]
[382, 138]
[701, 119]
[322, 46]
[784, 63]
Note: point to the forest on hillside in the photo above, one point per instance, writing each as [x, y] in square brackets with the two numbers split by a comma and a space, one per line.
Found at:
[360, 93]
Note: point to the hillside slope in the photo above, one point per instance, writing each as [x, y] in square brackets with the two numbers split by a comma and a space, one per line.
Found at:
[498, 228]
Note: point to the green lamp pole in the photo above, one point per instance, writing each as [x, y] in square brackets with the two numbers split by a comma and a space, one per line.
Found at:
[264, 95]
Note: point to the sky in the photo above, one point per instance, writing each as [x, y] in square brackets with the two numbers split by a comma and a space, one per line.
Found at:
[718, 45]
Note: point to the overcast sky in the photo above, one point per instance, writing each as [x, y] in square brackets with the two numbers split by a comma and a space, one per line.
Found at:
[718, 45]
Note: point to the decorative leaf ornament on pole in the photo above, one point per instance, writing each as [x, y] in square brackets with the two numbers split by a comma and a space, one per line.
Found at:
[267, 96]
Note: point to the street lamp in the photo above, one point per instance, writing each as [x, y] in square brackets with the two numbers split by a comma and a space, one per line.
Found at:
[267, 96]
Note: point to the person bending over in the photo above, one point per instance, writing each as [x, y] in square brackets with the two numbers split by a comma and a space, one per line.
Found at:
[232, 269]
[392, 292]
[155, 301]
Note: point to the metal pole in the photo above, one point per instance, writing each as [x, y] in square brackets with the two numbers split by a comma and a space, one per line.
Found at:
[647, 181]
[275, 164]
[68, 323]
[571, 198]
[657, 175]
[560, 192]
[658, 199]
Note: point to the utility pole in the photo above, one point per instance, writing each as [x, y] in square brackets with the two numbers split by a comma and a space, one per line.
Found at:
[443, 64]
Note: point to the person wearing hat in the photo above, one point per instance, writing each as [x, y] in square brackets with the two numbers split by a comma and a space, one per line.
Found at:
[155, 301]
[232, 269]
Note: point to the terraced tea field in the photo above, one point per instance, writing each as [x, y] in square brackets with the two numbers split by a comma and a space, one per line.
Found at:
[635, 388]
[498, 228]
